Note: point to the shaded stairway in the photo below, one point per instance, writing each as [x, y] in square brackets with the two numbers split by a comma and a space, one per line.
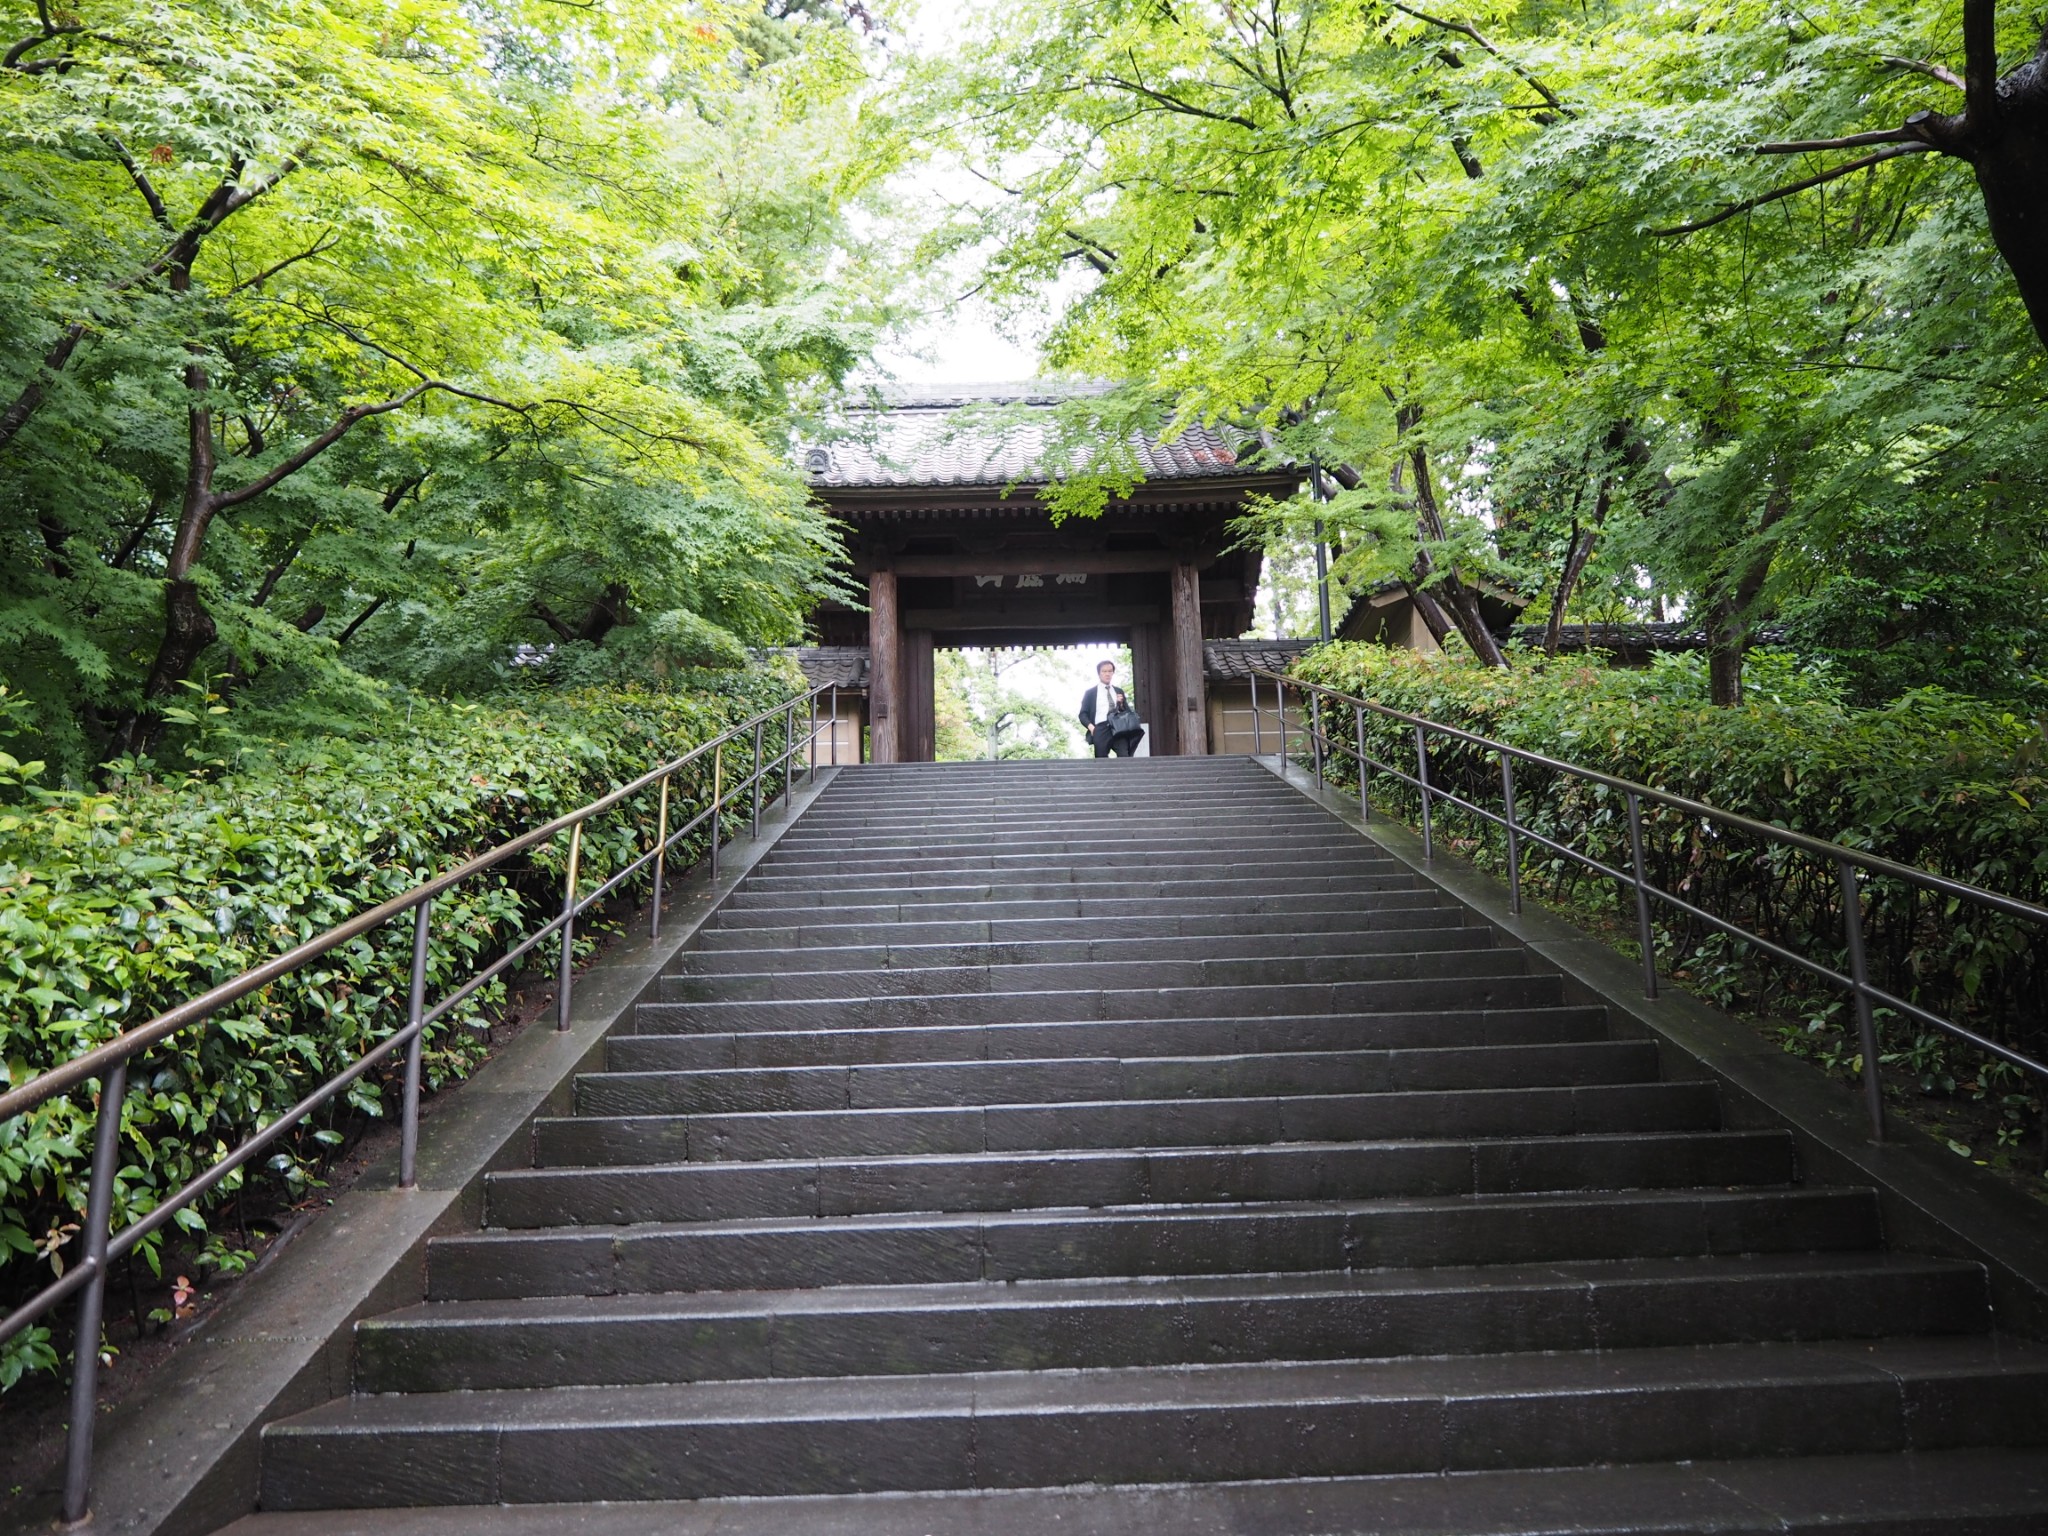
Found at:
[1034, 1127]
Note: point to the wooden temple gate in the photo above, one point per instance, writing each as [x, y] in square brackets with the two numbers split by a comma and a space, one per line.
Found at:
[945, 528]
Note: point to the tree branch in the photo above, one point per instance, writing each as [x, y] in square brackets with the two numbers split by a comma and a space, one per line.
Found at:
[1173, 103]
[50, 29]
[1848, 141]
[334, 434]
[1891, 152]
[1466, 29]
[1939, 72]
[320, 246]
[359, 621]
[227, 197]
[553, 620]
[157, 211]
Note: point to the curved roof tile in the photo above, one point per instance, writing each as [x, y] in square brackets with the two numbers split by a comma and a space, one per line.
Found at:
[928, 437]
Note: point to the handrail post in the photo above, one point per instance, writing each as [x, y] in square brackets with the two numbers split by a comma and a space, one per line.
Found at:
[1280, 693]
[1422, 783]
[1507, 795]
[1315, 726]
[85, 1361]
[415, 1048]
[811, 739]
[1645, 935]
[660, 858]
[783, 756]
[1364, 805]
[717, 798]
[1859, 976]
[835, 725]
[1258, 734]
[757, 778]
[569, 928]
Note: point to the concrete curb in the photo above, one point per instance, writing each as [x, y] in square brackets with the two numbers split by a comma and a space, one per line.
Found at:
[1931, 1201]
[181, 1458]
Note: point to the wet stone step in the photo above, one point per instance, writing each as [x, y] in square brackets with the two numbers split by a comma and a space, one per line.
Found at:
[1441, 1028]
[932, 1247]
[1531, 1111]
[590, 1193]
[910, 955]
[1381, 918]
[1077, 1324]
[1277, 883]
[1977, 1492]
[1464, 952]
[1069, 1079]
[737, 913]
[1160, 1424]
[1493, 987]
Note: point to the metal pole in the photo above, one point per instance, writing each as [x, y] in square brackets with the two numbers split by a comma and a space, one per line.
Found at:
[717, 796]
[85, 1363]
[1258, 734]
[1422, 782]
[1315, 716]
[1507, 795]
[786, 758]
[660, 858]
[1280, 694]
[835, 725]
[415, 1015]
[1859, 974]
[757, 778]
[1644, 935]
[1322, 584]
[811, 739]
[569, 927]
[1364, 807]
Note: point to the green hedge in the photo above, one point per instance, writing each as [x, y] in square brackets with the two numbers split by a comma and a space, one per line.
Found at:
[115, 905]
[1945, 783]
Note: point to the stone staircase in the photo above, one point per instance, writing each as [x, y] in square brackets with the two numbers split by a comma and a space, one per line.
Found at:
[1132, 1147]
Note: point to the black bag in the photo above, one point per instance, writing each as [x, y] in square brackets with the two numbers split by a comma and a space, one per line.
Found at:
[1124, 721]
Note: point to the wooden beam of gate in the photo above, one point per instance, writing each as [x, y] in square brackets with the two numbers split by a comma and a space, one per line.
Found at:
[1032, 563]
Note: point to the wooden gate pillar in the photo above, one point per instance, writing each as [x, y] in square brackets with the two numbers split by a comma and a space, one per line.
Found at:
[885, 667]
[1152, 688]
[917, 705]
[1191, 704]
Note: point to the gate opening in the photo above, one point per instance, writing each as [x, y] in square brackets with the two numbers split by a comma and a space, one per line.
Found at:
[1022, 702]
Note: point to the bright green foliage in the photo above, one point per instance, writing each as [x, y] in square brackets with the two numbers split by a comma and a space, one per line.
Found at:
[1945, 783]
[493, 316]
[1438, 250]
[122, 902]
[984, 716]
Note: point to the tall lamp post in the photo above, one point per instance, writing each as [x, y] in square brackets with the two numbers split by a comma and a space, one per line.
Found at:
[1321, 493]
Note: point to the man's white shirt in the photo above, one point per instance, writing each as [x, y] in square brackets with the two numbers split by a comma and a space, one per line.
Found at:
[1105, 701]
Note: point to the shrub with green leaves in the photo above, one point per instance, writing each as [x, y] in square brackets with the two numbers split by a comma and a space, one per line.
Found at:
[1944, 783]
[119, 903]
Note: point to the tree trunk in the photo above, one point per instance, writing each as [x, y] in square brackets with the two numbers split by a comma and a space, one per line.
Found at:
[1725, 635]
[606, 614]
[1463, 601]
[30, 400]
[1728, 615]
[1580, 551]
[2011, 162]
[188, 627]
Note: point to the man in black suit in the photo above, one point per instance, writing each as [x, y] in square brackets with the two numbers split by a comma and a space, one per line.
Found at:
[1096, 705]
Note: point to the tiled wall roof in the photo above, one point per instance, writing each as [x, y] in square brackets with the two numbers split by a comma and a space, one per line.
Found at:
[928, 438]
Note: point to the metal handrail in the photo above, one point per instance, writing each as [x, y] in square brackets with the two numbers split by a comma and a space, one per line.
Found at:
[109, 1062]
[1851, 864]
